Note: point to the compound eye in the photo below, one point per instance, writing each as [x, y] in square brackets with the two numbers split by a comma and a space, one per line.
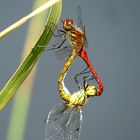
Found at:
[65, 21]
[71, 22]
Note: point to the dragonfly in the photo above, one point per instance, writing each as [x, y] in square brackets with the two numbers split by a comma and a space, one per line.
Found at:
[64, 121]
[77, 37]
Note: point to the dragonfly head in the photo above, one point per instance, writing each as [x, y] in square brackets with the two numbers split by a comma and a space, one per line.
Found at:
[68, 24]
[90, 91]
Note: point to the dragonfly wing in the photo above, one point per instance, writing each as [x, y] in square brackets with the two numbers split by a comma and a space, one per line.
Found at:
[74, 124]
[55, 123]
[63, 53]
[63, 123]
[81, 25]
[79, 19]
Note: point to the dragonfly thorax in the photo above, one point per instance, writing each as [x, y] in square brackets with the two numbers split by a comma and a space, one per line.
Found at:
[78, 99]
[74, 34]
[76, 38]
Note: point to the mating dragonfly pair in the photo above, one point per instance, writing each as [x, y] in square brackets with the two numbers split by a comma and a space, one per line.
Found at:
[64, 120]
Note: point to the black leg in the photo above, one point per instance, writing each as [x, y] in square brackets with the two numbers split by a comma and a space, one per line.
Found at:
[82, 72]
[87, 79]
[58, 35]
[59, 46]
[77, 82]
[76, 76]
[85, 84]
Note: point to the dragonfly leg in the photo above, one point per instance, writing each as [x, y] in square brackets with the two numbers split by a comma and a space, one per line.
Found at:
[59, 46]
[76, 76]
[87, 79]
[58, 35]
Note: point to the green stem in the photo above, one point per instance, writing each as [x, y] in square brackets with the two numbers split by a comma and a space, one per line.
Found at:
[22, 101]
[20, 75]
[29, 16]
[24, 69]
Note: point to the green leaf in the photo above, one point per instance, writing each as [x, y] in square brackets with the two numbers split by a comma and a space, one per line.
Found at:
[24, 69]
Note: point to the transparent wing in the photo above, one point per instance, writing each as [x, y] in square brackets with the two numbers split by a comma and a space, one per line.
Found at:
[74, 124]
[63, 123]
[79, 19]
[63, 53]
[81, 25]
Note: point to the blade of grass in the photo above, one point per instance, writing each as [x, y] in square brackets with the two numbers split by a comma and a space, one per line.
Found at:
[24, 69]
[29, 16]
[20, 108]
[22, 100]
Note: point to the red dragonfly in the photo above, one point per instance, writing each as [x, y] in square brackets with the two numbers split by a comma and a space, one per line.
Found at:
[77, 38]
[65, 120]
